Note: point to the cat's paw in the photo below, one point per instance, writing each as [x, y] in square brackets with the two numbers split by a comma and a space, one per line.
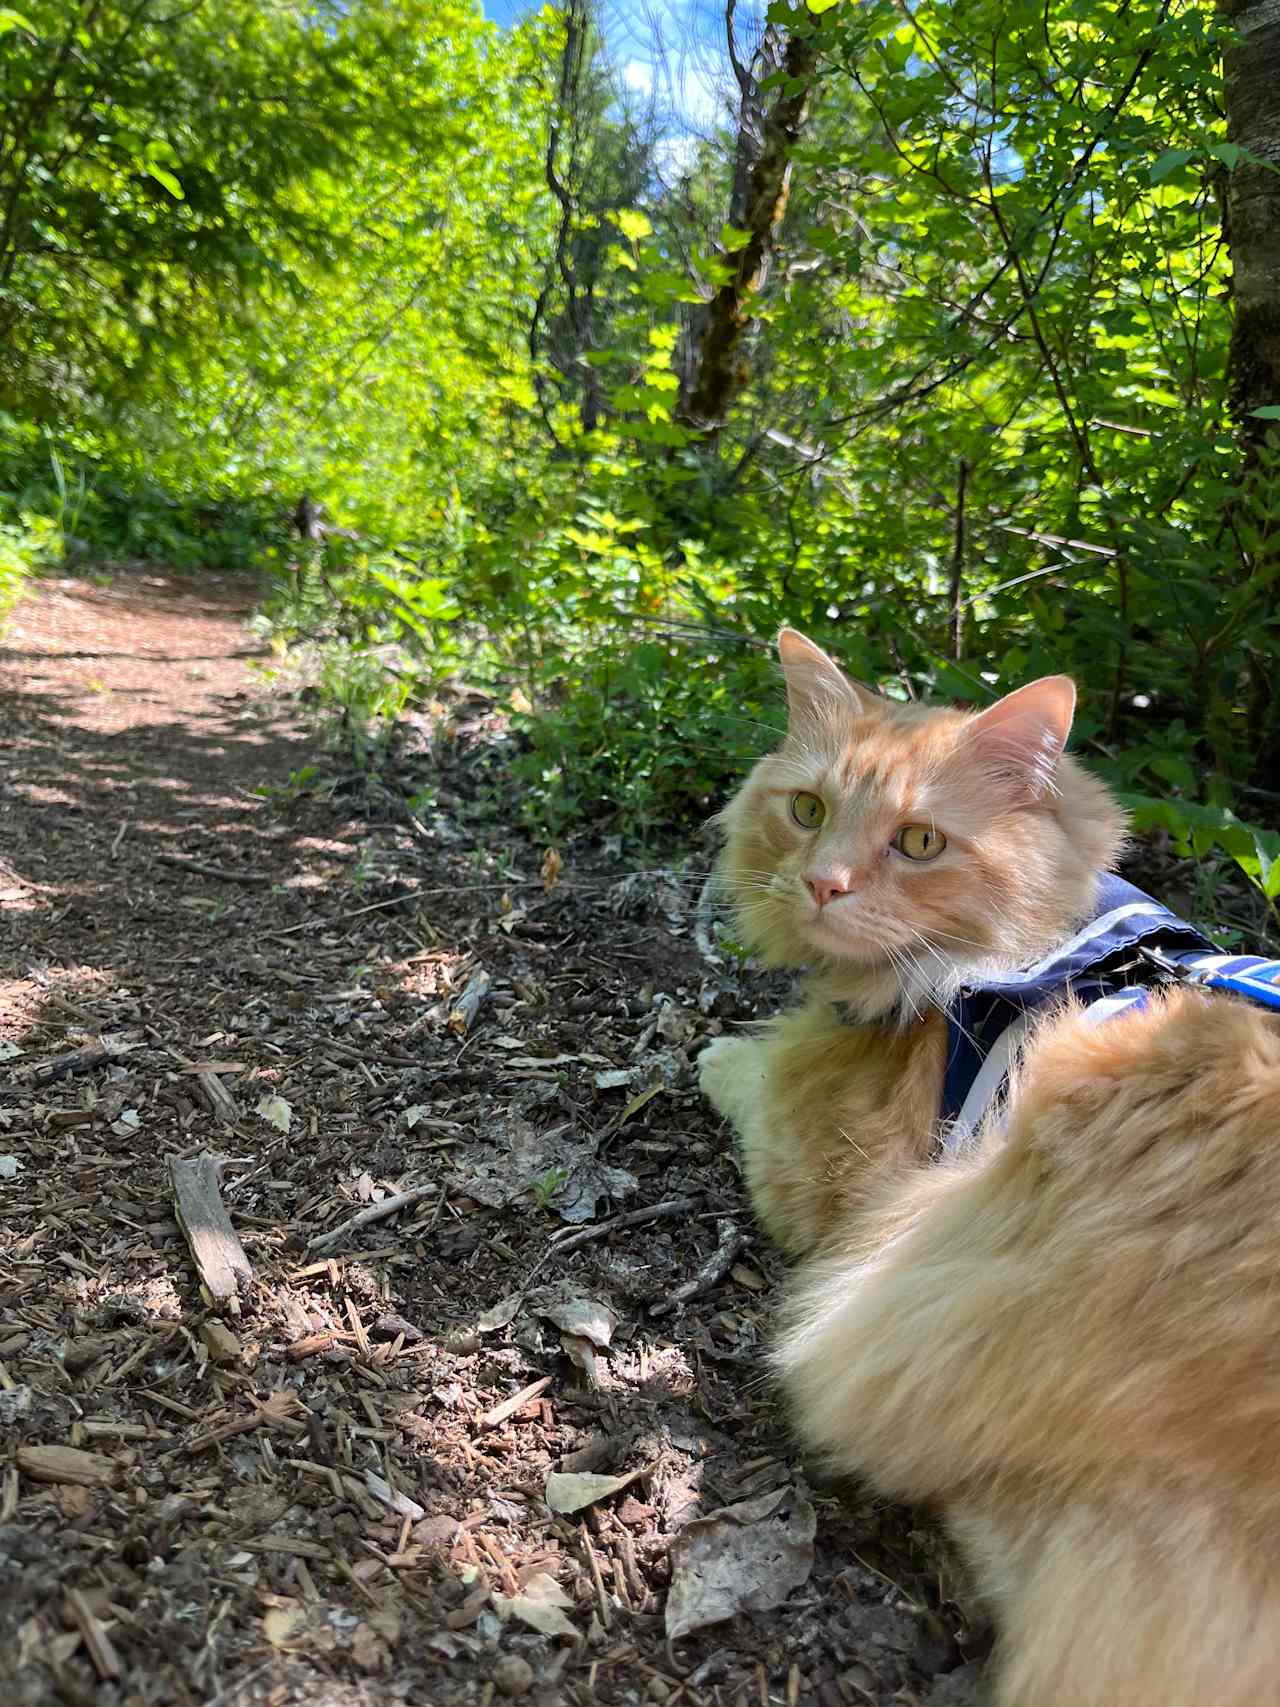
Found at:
[731, 1075]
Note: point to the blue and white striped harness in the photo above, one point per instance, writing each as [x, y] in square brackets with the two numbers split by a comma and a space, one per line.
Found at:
[1131, 945]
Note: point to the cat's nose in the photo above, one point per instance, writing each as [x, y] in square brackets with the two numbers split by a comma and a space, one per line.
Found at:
[825, 888]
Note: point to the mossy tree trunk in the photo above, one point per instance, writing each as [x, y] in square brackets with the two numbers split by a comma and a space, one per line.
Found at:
[720, 371]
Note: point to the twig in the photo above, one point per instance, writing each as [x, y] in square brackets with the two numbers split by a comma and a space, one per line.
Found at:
[509, 1407]
[77, 1061]
[203, 869]
[462, 1015]
[106, 1662]
[375, 1212]
[729, 1242]
[632, 1218]
[594, 1563]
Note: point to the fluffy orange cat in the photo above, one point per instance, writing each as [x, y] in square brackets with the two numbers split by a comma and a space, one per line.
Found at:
[1065, 1331]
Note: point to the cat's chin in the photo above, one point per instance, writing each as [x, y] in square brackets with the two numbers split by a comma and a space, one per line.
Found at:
[843, 943]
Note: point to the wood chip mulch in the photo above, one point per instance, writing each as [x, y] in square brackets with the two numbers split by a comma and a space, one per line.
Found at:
[354, 1183]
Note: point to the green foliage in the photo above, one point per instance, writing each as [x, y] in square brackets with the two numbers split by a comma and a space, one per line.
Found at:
[27, 544]
[636, 742]
[452, 282]
[546, 1186]
[1197, 829]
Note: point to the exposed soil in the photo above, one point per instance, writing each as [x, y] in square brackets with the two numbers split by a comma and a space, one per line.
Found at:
[333, 1487]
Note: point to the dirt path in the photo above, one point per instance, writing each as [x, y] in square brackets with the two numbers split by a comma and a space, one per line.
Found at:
[338, 1492]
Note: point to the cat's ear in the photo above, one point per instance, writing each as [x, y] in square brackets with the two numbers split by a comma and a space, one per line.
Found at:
[1020, 738]
[816, 685]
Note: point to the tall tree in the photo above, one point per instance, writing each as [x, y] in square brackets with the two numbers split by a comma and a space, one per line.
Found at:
[769, 128]
[1251, 87]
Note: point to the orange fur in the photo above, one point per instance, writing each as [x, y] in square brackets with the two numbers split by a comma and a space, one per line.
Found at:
[1069, 1338]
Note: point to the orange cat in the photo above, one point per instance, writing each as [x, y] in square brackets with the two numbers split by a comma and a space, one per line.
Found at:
[1065, 1330]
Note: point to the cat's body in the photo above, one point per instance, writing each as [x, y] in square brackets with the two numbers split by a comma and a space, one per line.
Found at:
[1067, 1336]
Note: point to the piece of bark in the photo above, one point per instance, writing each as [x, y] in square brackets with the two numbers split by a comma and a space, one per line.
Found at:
[218, 1098]
[66, 1465]
[76, 1061]
[219, 1256]
[106, 1662]
[463, 1013]
[78, 1355]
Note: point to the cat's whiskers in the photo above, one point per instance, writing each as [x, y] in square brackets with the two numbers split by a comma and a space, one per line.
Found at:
[902, 965]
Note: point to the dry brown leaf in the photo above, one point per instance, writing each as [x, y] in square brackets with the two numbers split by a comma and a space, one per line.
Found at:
[540, 1605]
[567, 1493]
[745, 1558]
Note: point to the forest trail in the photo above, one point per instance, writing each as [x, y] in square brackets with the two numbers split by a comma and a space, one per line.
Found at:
[339, 1492]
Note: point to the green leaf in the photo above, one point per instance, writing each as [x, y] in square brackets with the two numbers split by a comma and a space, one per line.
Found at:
[633, 224]
[11, 20]
[164, 176]
[1169, 162]
[1268, 412]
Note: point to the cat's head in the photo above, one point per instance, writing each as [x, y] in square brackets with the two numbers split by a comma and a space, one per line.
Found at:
[914, 842]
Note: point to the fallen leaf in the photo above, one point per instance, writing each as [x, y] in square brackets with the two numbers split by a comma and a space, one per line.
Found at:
[552, 866]
[499, 1314]
[582, 1354]
[745, 1558]
[540, 1606]
[282, 1623]
[587, 1318]
[576, 1200]
[276, 1112]
[568, 1493]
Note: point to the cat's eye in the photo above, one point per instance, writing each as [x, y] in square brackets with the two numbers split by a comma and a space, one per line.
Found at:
[919, 841]
[807, 810]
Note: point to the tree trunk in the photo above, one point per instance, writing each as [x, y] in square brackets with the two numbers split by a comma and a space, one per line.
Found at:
[1251, 88]
[720, 372]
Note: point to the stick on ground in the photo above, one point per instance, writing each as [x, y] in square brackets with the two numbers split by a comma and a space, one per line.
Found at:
[375, 1212]
[217, 1253]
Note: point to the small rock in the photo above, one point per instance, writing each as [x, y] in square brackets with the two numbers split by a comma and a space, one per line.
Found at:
[657, 1690]
[389, 1326]
[512, 1675]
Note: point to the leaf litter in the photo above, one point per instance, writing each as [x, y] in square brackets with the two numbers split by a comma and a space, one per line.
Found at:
[500, 1352]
